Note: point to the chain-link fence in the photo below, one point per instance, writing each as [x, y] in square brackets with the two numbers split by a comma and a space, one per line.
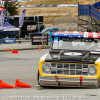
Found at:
[63, 23]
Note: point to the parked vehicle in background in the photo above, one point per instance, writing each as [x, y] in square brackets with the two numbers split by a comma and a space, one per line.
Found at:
[49, 31]
[39, 5]
[23, 6]
[20, 6]
[28, 5]
[53, 6]
[31, 5]
[67, 5]
[45, 5]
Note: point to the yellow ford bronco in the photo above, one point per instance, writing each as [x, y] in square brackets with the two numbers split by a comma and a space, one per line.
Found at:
[73, 60]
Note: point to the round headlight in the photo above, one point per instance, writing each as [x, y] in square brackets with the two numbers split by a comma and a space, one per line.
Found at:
[92, 70]
[46, 68]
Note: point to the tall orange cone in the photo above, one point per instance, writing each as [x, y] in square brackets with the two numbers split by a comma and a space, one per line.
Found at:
[39, 48]
[5, 85]
[7, 49]
[21, 84]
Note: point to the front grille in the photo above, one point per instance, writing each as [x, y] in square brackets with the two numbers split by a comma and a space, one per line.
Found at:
[69, 69]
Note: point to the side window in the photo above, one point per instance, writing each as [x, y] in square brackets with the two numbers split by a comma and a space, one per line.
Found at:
[56, 29]
[52, 30]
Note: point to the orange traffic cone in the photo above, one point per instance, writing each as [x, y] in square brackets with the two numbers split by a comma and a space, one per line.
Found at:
[21, 84]
[5, 85]
[39, 48]
[7, 49]
[15, 51]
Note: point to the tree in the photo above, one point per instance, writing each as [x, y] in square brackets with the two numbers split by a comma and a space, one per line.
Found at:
[12, 8]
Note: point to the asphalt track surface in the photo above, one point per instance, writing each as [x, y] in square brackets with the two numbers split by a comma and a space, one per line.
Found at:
[24, 66]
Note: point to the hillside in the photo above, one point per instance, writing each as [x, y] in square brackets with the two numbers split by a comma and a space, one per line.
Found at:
[54, 12]
[58, 2]
[50, 2]
[50, 12]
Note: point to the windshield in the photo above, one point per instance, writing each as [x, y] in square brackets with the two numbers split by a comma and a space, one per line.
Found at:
[77, 44]
[45, 30]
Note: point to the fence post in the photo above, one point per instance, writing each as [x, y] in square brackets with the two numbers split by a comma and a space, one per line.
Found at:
[67, 22]
[55, 22]
[50, 22]
[38, 23]
[70, 24]
[61, 24]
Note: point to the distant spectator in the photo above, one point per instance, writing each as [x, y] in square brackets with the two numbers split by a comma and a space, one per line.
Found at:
[82, 30]
[25, 37]
[97, 31]
[9, 35]
[41, 27]
[88, 30]
[4, 35]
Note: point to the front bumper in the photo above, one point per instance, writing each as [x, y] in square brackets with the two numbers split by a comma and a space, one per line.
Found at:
[65, 81]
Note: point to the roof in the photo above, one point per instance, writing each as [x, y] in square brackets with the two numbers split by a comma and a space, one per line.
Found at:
[51, 28]
[76, 34]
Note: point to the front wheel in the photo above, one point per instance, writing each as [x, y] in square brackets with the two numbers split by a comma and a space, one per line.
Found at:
[38, 77]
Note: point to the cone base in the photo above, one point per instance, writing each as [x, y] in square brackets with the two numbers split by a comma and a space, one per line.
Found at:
[21, 84]
[5, 85]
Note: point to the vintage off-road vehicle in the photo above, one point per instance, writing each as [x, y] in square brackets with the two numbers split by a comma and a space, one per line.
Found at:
[73, 60]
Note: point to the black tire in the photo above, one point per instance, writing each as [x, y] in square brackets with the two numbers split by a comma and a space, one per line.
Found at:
[38, 80]
[38, 77]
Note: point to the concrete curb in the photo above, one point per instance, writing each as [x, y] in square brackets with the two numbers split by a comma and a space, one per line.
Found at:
[30, 48]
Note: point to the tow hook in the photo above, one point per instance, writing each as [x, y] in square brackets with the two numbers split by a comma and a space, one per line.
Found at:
[56, 79]
[80, 80]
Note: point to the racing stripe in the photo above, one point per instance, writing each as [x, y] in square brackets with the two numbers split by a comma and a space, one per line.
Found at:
[70, 31]
[95, 35]
[98, 60]
[85, 34]
[44, 56]
[98, 35]
[90, 35]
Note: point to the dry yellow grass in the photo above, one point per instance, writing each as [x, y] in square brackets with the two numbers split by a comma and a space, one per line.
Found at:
[53, 12]
[87, 1]
[59, 2]
[49, 2]
[49, 11]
